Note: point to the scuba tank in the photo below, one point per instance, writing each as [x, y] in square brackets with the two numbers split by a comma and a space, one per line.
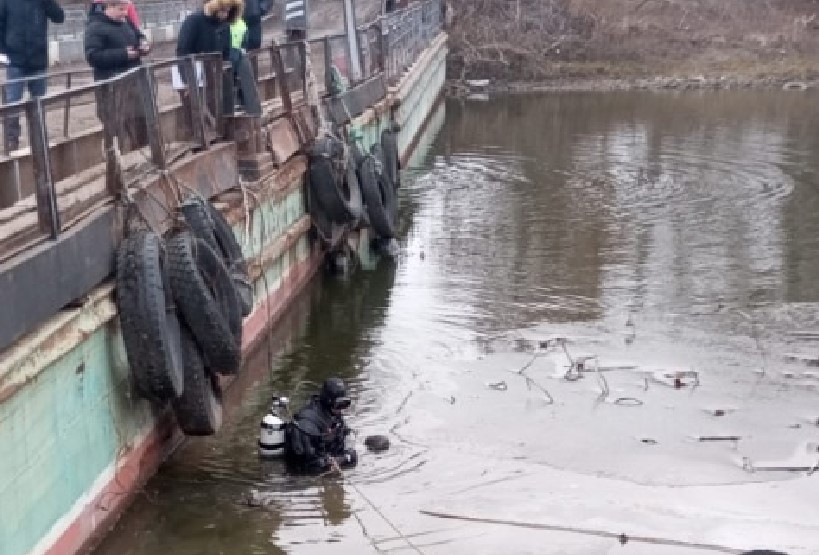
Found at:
[271, 433]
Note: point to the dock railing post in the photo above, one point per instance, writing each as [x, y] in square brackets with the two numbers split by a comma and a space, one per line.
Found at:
[67, 111]
[197, 113]
[149, 109]
[351, 33]
[48, 214]
[214, 82]
[281, 74]
[110, 131]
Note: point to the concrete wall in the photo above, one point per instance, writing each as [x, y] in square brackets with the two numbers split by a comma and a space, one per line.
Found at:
[71, 414]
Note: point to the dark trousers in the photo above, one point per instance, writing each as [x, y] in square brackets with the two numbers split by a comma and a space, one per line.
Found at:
[254, 32]
[246, 83]
[19, 79]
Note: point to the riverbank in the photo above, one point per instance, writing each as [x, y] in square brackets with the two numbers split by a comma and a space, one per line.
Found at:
[622, 45]
[656, 83]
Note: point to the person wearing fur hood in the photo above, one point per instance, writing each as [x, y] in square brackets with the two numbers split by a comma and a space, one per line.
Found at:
[208, 30]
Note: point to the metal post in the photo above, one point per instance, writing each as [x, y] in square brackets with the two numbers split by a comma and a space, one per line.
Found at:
[48, 215]
[385, 49]
[353, 50]
[213, 88]
[149, 110]
[303, 57]
[284, 88]
[328, 67]
[67, 112]
[196, 112]
[113, 178]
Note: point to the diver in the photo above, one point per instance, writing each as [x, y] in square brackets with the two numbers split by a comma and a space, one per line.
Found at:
[315, 438]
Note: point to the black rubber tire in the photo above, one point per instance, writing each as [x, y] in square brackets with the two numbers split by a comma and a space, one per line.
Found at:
[207, 223]
[228, 244]
[234, 259]
[323, 227]
[379, 197]
[207, 300]
[381, 164]
[150, 328]
[355, 198]
[244, 292]
[392, 160]
[336, 196]
[197, 216]
[199, 409]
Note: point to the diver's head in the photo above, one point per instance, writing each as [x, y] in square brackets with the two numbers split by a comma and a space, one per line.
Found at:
[333, 396]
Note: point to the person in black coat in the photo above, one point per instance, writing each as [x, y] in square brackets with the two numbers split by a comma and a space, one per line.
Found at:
[207, 31]
[112, 44]
[315, 439]
[254, 11]
[24, 40]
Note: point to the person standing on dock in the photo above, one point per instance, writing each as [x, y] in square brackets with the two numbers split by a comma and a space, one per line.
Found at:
[113, 44]
[255, 10]
[24, 40]
[209, 31]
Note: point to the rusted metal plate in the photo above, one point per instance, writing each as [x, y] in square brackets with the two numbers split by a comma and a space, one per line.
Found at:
[209, 173]
[245, 131]
[63, 270]
[353, 102]
[282, 140]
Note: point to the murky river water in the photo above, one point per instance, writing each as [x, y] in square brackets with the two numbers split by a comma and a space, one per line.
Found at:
[675, 237]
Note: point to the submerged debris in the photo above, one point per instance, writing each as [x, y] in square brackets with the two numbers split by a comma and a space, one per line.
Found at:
[498, 386]
[377, 443]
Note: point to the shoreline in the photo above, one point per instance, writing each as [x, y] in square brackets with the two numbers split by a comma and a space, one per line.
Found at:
[460, 88]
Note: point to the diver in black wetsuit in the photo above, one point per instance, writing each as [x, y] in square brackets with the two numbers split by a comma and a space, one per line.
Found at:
[314, 440]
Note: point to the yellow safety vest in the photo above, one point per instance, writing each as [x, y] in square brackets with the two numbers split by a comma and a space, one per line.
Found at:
[238, 30]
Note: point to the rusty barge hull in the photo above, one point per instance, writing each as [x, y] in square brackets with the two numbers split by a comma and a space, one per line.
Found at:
[77, 441]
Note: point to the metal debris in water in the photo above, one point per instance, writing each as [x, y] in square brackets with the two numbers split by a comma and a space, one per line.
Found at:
[498, 386]
[678, 379]
[705, 439]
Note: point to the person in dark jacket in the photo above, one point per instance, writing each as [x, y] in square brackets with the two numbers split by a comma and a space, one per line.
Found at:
[207, 31]
[113, 45]
[255, 10]
[24, 40]
[315, 439]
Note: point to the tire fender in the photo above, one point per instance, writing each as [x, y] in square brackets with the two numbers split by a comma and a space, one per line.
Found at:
[149, 324]
[206, 298]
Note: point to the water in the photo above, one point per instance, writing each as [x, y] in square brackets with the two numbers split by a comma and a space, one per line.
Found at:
[662, 233]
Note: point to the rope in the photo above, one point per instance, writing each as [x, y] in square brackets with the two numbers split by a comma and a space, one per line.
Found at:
[336, 469]
[622, 537]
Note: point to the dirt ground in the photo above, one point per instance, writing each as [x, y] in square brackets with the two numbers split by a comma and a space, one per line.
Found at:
[558, 41]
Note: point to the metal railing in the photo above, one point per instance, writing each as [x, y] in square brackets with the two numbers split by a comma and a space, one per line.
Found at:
[151, 14]
[62, 81]
[407, 33]
[63, 131]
